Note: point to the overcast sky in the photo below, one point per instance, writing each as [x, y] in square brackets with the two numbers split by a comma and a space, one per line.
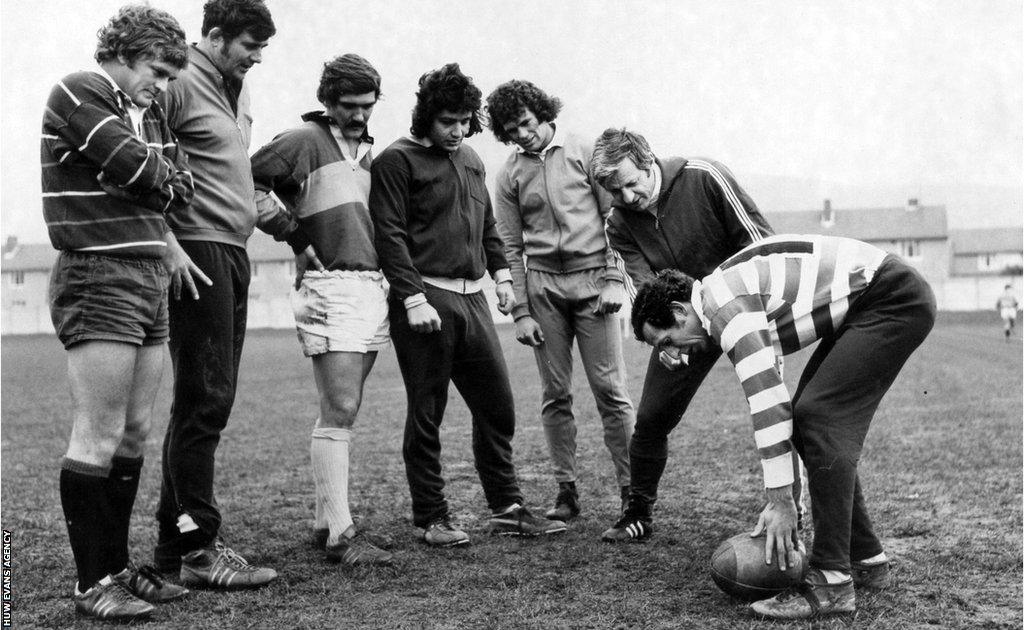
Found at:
[842, 96]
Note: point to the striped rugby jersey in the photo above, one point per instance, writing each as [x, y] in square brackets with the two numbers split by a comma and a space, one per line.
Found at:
[773, 298]
[87, 130]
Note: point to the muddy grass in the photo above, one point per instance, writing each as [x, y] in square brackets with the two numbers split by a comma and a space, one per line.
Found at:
[942, 472]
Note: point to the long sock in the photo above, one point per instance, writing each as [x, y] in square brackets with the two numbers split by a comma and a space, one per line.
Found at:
[122, 486]
[88, 515]
[328, 452]
[319, 520]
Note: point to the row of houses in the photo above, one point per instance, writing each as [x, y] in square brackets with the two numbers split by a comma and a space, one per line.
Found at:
[967, 268]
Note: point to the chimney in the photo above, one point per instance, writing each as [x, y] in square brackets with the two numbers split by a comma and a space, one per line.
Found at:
[913, 205]
[828, 215]
[10, 247]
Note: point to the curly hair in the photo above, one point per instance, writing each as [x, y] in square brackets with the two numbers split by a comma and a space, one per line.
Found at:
[142, 32]
[347, 74]
[446, 88]
[615, 145]
[235, 17]
[506, 103]
[653, 302]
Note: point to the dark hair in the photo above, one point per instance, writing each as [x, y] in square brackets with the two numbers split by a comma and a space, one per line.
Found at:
[347, 74]
[235, 17]
[653, 302]
[446, 88]
[615, 145]
[142, 32]
[509, 99]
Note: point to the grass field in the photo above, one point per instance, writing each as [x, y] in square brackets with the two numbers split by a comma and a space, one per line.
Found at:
[942, 471]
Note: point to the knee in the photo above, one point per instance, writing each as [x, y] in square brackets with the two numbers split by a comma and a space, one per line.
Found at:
[339, 411]
[133, 442]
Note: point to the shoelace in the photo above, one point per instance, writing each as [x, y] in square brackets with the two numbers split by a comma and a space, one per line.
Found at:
[234, 560]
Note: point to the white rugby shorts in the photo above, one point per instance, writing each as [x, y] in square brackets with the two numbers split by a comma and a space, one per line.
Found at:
[341, 311]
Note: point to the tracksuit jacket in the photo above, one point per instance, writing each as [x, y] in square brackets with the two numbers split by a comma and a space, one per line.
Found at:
[216, 137]
[553, 212]
[703, 217]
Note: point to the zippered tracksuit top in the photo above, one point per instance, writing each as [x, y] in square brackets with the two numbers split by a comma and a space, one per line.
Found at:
[432, 219]
[702, 217]
[551, 211]
[210, 115]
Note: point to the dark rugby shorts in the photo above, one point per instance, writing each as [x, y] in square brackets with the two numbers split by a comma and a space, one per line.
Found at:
[106, 298]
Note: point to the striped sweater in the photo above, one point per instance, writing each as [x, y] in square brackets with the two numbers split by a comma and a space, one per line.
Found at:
[702, 217]
[87, 132]
[325, 195]
[773, 298]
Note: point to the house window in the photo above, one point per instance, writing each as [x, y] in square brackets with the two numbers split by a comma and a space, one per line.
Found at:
[19, 304]
[908, 248]
[255, 271]
[18, 278]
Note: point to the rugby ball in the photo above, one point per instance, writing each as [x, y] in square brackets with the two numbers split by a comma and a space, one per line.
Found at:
[738, 568]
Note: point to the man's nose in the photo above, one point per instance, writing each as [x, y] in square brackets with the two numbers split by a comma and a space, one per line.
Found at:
[256, 56]
[161, 84]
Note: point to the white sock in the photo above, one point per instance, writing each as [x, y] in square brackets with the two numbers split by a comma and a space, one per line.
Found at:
[834, 577]
[319, 520]
[328, 451]
[879, 559]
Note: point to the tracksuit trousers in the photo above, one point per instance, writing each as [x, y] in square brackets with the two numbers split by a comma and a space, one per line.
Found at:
[838, 393]
[206, 348]
[563, 306]
[465, 352]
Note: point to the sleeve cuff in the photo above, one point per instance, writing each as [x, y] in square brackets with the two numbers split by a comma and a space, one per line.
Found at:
[502, 275]
[414, 300]
[520, 311]
[778, 471]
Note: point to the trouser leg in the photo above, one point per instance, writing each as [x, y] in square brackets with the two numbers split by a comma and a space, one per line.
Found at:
[425, 362]
[205, 346]
[600, 341]
[852, 372]
[548, 308]
[481, 376]
[665, 397]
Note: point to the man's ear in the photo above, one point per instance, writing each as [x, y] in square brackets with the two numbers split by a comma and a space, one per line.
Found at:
[216, 35]
[683, 308]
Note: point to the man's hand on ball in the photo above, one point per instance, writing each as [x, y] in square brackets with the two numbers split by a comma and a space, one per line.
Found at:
[779, 524]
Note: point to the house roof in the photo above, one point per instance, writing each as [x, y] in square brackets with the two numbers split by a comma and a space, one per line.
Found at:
[987, 240]
[29, 257]
[866, 224]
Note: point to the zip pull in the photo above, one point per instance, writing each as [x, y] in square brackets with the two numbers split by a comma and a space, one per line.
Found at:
[657, 222]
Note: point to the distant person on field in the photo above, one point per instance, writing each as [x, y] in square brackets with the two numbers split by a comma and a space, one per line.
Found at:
[112, 172]
[437, 242]
[208, 110]
[321, 172]
[870, 311]
[551, 217]
[673, 213]
[1007, 306]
